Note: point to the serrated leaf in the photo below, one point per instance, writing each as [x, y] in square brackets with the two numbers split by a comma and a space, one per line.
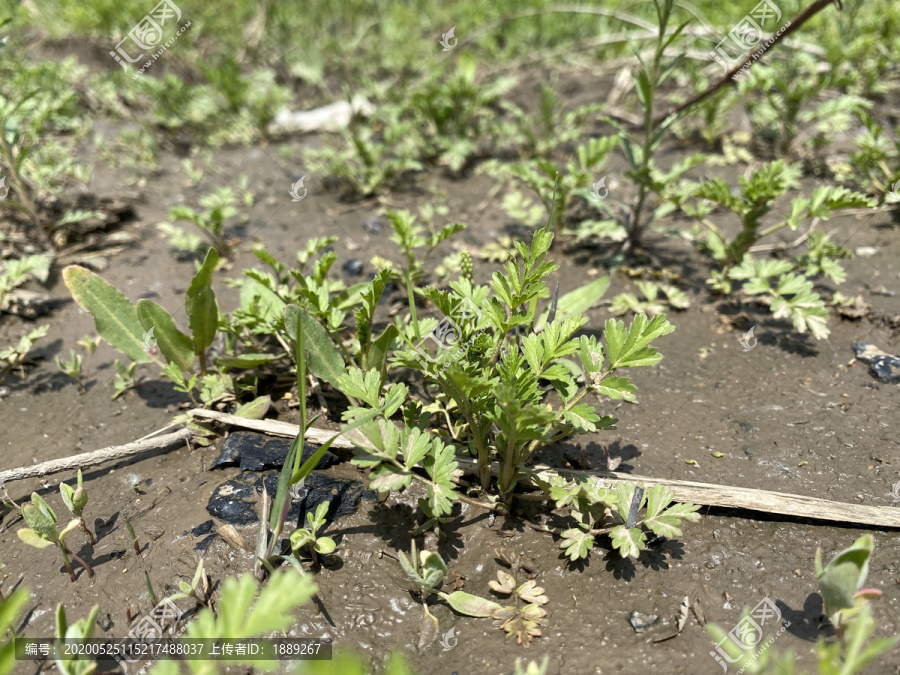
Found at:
[177, 347]
[628, 541]
[531, 592]
[617, 387]
[388, 478]
[114, 317]
[325, 361]
[200, 304]
[577, 543]
[505, 584]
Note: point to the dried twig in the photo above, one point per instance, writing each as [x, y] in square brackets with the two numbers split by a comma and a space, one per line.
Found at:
[89, 459]
[684, 491]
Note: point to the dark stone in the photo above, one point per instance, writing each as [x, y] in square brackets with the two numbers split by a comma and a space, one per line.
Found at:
[343, 493]
[104, 621]
[233, 502]
[373, 226]
[256, 452]
[202, 528]
[203, 545]
[353, 267]
[881, 364]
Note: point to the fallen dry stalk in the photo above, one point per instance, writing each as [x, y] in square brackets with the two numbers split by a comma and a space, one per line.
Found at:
[89, 459]
[684, 491]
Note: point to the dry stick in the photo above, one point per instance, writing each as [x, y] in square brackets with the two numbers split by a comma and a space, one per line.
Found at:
[684, 491]
[86, 459]
[796, 22]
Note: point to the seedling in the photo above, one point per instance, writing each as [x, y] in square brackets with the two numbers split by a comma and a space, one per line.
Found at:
[792, 294]
[77, 633]
[847, 605]
[75, 500]
[639, 150]
[42, 531]
[72, 367]
[651, 304]
[13, 358]
[409, 237]
[16, 271]
[426, 572]
[524, 618]
[306, 537]
[90, 346]
[134, 540]
[220, 206]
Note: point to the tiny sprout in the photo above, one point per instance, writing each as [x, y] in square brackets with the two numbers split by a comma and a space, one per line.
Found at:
[75, 500]
[72, 367]
[90, 346]
[41, 531]
[307, 537]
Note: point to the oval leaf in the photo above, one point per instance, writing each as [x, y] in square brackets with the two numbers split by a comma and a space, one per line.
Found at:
[256, 409]
[175, 345]
[471, 605]
[325, 361]
[115, 318]
[32, 538]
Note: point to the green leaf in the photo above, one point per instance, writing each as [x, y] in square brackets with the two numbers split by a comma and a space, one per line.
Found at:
[388, 478]
[629, 541]
[471, 605]
[175, 345]
[325, 361]
[255, 409]
[583, 417]
[200, 304]
[379, 348]
[245, 360]
[616, 388]
[115, 318]
[33, 538]
[846, 574]
[667, 523]
[325, 545]
[575, 303]
[577, 543]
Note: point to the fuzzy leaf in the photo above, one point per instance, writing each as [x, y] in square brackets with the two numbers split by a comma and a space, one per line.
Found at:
[33, 538]
[115, 318]
[471, 605]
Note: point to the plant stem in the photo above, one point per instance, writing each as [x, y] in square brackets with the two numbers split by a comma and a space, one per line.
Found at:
[65, 555]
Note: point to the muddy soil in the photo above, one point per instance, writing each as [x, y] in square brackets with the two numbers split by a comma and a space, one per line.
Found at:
[791, 415]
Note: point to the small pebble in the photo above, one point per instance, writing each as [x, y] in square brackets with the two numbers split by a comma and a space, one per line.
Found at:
[353, 267]
[640, 621]
[372, 226]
